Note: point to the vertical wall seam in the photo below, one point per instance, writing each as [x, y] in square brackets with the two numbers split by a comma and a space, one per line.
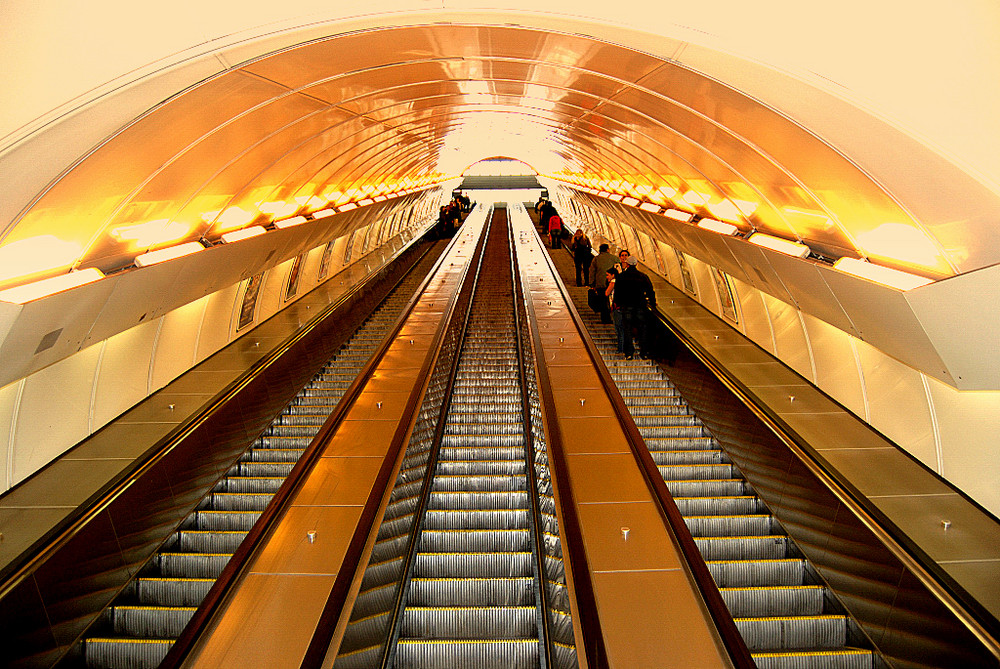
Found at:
[9, 473]
[812, 358]
[938, 446]
[770, 325]
[861, 378]
[152, 357]
[197, 333]
[93, 389]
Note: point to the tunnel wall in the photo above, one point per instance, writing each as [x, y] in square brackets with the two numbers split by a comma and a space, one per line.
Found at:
[952, 432]
[45, 413]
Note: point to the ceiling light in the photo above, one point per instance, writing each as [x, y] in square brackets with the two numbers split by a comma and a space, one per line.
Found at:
[325, 213]
[879, 274]
[278, 209]
[169, 253]
[347, 207]
[56, 284]
[678, 215]
[617, 197]
[604, 193]
[650, 207]
[717, 226]
[245, 233]
[694, 198]
[289, 222]
[780, 245]
[364, 203]
[630, 201]
[151, 233]
[232, 218]
[726, 210]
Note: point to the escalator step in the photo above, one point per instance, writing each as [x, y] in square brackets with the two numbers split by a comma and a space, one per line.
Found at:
[507, 591]
[202, 541]
[801, 632]
[466, 467]
[172, 591]
[473, 565]
[158, 622]
[479, 653]
[192, 565]
[843, 658]
[132, 653]
[704, 506]
[739, 526]
[479, 501]
[796, 600]
[475, 541]
[207, 519]
[469, 622]
[738, 573]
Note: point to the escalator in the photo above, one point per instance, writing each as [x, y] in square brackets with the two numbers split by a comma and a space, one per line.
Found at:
[466, 569]
[141, 625]
[787, 617]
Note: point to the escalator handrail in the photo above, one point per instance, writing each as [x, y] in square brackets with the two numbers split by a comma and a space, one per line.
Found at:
[972, 614]
[529, 448]
[336, 605]
[731, 638]
[224, 584]
[33, 558]
[590, 622]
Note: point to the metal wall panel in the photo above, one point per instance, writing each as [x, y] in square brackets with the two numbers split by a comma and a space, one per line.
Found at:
[791, 345]
[897, 402]
[9, 396]
[54, 412]
[175, 346]
[837, 372]
[123, 376]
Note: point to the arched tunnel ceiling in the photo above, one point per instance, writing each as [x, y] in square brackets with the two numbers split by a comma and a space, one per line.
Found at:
[260, 125]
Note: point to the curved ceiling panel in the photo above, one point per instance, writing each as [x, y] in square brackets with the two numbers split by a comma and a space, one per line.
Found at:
[377, 111]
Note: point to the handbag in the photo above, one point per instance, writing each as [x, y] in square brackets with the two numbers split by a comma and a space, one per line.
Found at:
[594, 300]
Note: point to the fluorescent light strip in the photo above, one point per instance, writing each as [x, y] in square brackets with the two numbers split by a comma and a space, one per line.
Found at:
[780, 245]
[886, 276]
[347, 207]
[169, 253]
[289, 222]
[678, 215]
[364, 203]
[617, 197]
[717, 226]
[56, 284]
[630, 201]
[650, 207]
[326, 213]
[245, 233]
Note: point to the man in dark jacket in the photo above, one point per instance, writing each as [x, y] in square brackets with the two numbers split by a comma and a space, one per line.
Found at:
[598, 277]
[634, 296]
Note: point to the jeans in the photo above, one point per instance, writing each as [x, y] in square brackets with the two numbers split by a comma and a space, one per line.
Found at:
[633, 317]
[616, 318]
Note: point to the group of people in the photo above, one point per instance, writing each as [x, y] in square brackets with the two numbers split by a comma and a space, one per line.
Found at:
[452, 214]
[626, 297]
[550, 222]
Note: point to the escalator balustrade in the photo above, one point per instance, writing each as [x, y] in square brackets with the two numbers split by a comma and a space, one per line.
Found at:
[143, 622]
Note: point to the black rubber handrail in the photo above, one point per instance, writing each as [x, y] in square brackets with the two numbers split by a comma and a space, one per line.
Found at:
[336, 605]
[18, 570]
[583, 587]
[224, 585]
[525, 357]
[732, 640]
[966, 608]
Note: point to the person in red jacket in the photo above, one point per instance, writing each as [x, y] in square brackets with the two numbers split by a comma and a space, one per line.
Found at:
[555, 231]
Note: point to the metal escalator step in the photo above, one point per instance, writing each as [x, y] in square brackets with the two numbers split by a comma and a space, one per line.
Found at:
[756, 602]
[466, 467]
[275, 454]
[192, 565]
[475, 541]
[172, 591]
[207, 519]
[382, 573]
[701, 456]
[478, 501]
[469, 622]
[707, 488]
[303, 420]
[132, 653]
[776, 633]
[249, 484]
[209, 541]
[158, 622]
[472, 565]
[282, 469]
[473, 430]
[374, 601]
[736, 573]
[687, 430]
[841, 658]
[735, 526]
[705, 506]
[506, 591]
[678, 443]
[743, 548]
[227, 501]
[666, 419]
[479, 482]
[710, 471]
[278, 448]
[482, 448]
[479, 653]
[389, 548]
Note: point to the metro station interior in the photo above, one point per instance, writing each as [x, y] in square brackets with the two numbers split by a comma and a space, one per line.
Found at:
[208, 208]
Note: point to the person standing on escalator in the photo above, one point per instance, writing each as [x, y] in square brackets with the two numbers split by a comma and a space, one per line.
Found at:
[582, 256]
[635, 296]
